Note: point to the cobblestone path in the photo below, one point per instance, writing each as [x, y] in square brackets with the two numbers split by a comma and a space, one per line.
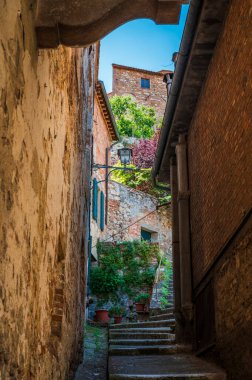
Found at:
[94, 366]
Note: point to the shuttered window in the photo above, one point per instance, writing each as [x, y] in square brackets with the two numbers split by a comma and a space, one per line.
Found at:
[102, 213]
[95, 199]
[145, 83]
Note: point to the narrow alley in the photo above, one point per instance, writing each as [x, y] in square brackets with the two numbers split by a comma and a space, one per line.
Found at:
[125, 190]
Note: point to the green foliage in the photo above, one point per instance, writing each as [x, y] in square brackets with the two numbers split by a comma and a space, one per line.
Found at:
[110, 281]
[165, 291]
[133, 120]
[132, 178]
[140, 180]
[142, 298]
[148, 276]
[117, 311]
[93, 335]
[124, 268]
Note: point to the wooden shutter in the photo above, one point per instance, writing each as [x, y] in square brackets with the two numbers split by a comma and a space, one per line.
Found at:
[102, 205]
[95, 199]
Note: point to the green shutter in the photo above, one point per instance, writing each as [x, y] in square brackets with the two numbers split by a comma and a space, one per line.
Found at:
[102, 211]
[95, 199]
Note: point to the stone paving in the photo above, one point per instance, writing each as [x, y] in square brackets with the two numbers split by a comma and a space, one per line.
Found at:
[94, 366]
[148, 351]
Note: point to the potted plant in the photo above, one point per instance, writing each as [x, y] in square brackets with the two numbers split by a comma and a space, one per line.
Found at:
[141, 301]
[104, 285]
[117, 312]
[101, 312]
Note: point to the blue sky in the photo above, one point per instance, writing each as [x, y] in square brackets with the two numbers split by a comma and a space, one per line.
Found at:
[141, 44]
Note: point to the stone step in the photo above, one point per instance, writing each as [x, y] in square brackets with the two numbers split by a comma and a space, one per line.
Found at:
[146, 330]
[141, 342]
[143, 335]
[206, 376]
[161, 323]
[158, 311]
[163, 367]
[143, 350]
[160, 317]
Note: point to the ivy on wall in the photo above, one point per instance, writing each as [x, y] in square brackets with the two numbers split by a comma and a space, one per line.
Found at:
[124, 268]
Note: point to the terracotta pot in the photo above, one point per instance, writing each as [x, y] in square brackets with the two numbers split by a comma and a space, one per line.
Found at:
[117, 319]
[101, 316]
[139, 306]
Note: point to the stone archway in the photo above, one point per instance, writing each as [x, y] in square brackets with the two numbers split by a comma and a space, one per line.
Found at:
[81, 23]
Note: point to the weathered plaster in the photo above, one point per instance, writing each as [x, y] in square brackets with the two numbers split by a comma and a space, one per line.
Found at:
[43, 199]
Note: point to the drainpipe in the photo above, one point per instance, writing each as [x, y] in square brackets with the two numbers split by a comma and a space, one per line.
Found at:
[175, 248]
[184, 237]
[181, 63]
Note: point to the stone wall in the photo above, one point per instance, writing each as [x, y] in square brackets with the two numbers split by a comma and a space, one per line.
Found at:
[127, 81]
[126, 206]
[45, 120]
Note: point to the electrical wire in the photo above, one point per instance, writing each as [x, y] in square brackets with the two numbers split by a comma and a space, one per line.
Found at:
[132, 224]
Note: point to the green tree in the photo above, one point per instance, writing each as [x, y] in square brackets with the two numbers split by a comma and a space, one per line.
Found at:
[140, 180]
[133, 120]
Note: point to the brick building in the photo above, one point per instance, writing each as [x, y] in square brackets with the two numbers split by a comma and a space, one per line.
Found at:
[104, 135]
[205, 153]
[147, 87]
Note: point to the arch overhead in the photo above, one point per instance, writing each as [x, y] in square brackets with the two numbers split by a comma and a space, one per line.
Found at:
[81, 23]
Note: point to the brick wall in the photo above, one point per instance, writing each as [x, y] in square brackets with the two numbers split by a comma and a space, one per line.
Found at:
[127, 81]
[220, 143]
[233, 306]
[220, 162]
[45, 131]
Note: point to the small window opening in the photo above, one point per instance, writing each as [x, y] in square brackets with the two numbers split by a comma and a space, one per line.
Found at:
[145, 83]
[145, 235]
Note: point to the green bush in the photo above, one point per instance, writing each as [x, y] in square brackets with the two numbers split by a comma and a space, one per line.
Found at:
[124, 268]
[105, 283]
[165, 290]
[117, 311]
[142, 298]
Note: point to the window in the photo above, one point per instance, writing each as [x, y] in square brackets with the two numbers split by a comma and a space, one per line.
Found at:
[95, 199]
[145, 83]
[102, 204]
[145, 235]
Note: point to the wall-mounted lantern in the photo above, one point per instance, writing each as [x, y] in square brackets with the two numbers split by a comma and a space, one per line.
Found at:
[125, 156]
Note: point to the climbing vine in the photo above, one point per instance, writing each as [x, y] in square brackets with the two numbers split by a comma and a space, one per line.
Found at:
[124, 268]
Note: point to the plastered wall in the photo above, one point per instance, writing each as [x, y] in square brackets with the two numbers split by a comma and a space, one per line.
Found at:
[45, 125]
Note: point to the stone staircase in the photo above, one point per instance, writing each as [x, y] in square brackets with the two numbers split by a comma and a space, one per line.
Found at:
[148, 350]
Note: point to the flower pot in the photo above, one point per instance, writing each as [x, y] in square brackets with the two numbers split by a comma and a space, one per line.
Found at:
[101, 316]
[139, 307]
[117, 319]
